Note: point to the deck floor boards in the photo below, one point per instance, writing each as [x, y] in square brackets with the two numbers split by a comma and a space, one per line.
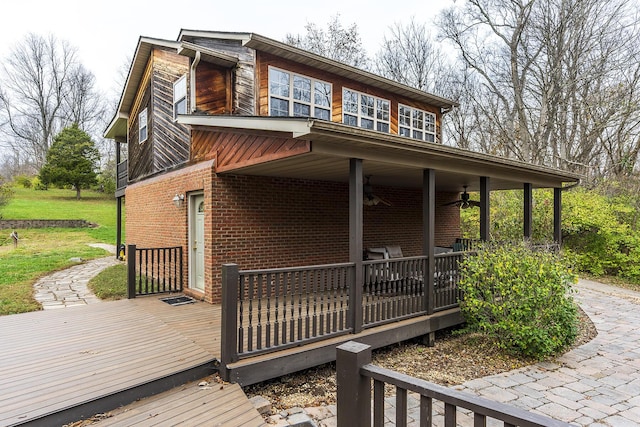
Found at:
[56, 359]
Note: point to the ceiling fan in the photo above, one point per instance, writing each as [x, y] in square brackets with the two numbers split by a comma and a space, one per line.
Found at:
[371, 199]
[464, 201]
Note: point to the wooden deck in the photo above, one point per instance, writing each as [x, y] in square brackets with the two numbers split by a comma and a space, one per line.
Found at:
[59, 366]
[62, 365]
[189, 405]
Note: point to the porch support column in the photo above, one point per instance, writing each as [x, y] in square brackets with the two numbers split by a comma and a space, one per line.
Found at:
[356, 195]
[557, 216]
[428, 243]
[528, 210]
[484, 208]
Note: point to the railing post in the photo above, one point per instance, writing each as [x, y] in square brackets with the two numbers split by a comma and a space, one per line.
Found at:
[229, 324]
[353, 389]
[131, 271]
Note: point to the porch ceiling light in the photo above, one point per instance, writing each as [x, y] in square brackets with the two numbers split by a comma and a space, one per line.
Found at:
[178, 199]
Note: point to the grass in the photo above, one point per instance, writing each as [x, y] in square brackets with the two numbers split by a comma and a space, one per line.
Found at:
[42, 251]
[95, 207]
[110, 283]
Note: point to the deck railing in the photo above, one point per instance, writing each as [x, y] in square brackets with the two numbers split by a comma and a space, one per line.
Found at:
[354, 373]
[153, 270]
[270, 310]
[393, 289]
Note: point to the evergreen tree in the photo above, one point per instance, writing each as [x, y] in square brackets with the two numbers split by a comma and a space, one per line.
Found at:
[71, 160]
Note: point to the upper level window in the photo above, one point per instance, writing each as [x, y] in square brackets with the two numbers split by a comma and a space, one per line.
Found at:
[366, 111]
[295, 95]
[142, 126]
[416, 123]
[180, 97]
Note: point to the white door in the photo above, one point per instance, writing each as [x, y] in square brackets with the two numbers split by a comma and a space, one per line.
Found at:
[196, 244]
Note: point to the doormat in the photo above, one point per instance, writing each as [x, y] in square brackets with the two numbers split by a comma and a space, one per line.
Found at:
[179, 300]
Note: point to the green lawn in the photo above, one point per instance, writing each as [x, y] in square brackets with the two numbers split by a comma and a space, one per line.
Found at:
[41, 251]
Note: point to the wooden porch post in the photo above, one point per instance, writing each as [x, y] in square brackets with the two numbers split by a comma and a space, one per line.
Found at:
[485, 212]
[528, 210]
[557, 216]
[353, 389]
[428, 221]
[131, 271]
[229, 321]
[356, 194]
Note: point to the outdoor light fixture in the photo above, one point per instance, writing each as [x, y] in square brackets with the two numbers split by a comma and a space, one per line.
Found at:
[178, 199]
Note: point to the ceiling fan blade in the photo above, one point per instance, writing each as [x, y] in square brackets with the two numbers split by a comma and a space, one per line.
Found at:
[457, 202]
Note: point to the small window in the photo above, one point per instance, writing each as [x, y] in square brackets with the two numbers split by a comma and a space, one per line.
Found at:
[365, 111]
[142, 126]
[180, 97]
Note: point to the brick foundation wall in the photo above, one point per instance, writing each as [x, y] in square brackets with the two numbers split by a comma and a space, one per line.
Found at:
[263, 222]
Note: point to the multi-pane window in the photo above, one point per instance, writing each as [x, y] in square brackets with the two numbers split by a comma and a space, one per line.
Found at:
[142, 126]
[180, 97]
[416, 124]
[366, 111]
[295, 95]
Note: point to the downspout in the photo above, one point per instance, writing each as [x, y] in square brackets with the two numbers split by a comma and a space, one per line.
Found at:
[192, 82]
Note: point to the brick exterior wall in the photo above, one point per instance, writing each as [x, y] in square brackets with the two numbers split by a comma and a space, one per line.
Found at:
[263, 222]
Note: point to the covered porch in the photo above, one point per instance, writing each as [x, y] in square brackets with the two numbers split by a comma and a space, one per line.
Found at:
[272, 313]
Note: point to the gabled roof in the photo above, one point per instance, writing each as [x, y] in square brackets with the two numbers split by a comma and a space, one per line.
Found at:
[118, 125]
[265, 44]
[185, 46]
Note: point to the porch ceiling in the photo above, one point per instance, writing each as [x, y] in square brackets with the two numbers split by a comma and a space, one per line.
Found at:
[391, 160]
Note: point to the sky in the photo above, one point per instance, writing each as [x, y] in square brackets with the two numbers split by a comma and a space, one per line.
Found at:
[106, 33]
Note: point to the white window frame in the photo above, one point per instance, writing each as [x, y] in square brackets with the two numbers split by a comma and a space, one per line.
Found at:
[423, 129]
[377, 117]
[315, 107]
[143, 125]
[179, 96]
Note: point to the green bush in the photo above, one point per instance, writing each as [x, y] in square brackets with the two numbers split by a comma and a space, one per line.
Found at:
[521, 297]
[23, 181]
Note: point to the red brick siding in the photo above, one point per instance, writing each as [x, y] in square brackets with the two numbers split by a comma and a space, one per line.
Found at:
[262, 222]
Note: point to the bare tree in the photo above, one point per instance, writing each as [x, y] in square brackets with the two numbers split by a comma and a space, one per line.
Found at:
[410, 56]
[337, 43]
[552, 76]
[44, 89]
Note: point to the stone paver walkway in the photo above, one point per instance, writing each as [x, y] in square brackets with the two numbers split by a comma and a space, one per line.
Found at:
[68, 288]
[597, 384]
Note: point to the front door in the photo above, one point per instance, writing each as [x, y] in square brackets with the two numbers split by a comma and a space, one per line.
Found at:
[196, 243]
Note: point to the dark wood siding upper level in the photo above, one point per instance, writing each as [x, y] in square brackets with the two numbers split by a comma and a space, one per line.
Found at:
[171, 140]
[264, 60]
[167, 144]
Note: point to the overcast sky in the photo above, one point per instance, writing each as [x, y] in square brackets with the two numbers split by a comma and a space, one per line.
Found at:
[106, 32]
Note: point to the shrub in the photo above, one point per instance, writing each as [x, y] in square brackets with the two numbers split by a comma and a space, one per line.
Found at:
[23, 180]
[521, 297]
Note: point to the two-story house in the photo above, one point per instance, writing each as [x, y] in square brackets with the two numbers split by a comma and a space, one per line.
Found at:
[242, 149]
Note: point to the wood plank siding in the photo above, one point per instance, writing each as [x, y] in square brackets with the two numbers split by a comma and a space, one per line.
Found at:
[167, 144]
[233, 149]
[243, 96]
[264, 60]
[213, 89]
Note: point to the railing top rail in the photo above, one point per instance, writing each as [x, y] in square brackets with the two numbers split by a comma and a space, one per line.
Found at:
[295, 269]
[384, 261]
[479, 405]
[148, 249]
